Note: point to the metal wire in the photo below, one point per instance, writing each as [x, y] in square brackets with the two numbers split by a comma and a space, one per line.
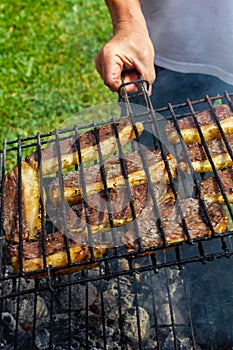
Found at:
[55, 138]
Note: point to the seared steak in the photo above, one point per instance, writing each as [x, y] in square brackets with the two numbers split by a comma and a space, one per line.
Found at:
[195, 219]
[31, 208]
[210, 188]
[72, 181]
[218, 151]
[207, 123]
[88, 145]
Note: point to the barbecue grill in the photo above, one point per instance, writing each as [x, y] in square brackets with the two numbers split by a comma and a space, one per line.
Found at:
[149, 298]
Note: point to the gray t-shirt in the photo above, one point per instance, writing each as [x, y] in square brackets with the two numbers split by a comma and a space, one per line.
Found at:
[192, 36]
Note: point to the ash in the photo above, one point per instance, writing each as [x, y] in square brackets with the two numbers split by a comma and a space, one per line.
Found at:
[146, 310]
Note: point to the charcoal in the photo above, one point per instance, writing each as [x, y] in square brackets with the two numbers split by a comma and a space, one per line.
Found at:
[42, 339]
[77, 293]
[26, 309]
[8, 323]
[182, 343]
[131, 327]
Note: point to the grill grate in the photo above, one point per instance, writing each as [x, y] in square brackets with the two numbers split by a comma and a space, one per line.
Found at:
[128, 301]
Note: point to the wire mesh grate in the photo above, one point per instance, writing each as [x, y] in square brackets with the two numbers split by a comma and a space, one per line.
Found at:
[144, 298]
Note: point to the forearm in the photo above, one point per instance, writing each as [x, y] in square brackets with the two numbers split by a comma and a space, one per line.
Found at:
[130, 45]
[125, 12]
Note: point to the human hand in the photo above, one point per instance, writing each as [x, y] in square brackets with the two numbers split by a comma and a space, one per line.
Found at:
[130, 47]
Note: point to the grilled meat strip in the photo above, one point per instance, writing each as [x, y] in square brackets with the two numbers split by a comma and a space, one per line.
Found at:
[121, 211]
[218, 151]
[72, 181]
[77, 239]
[195, 220]
[56, 254]
[54, 242]
[210, 188]
[88, 145]
[207, 123]
[30, 200]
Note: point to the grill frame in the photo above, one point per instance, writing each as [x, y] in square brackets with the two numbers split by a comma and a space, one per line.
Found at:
[148, 118]
[111, 268]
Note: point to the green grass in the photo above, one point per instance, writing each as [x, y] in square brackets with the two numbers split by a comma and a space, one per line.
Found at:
[47, 64]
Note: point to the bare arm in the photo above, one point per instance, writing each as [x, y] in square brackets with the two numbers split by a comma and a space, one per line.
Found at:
[129, 47]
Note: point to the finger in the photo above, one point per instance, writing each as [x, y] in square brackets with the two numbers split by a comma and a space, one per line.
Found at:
[129, 77]
[147, 72]
[149, 75]
[112, 75]
[109, 69]
[133, 76]
[149, 91]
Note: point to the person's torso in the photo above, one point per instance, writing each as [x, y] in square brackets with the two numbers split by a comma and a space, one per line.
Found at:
[192, 36]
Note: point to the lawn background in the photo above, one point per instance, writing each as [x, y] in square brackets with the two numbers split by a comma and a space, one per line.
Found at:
[47, 63]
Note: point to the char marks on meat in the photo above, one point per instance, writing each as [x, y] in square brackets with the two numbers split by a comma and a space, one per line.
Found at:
[120, 208]
[210, 188]
[207, 121]
[112, 168]
[99, 218]
[29, 191]
[53, 242]
[174, 231]
[113, 173]
[88, 142]
[215, 147]
[204, 118]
